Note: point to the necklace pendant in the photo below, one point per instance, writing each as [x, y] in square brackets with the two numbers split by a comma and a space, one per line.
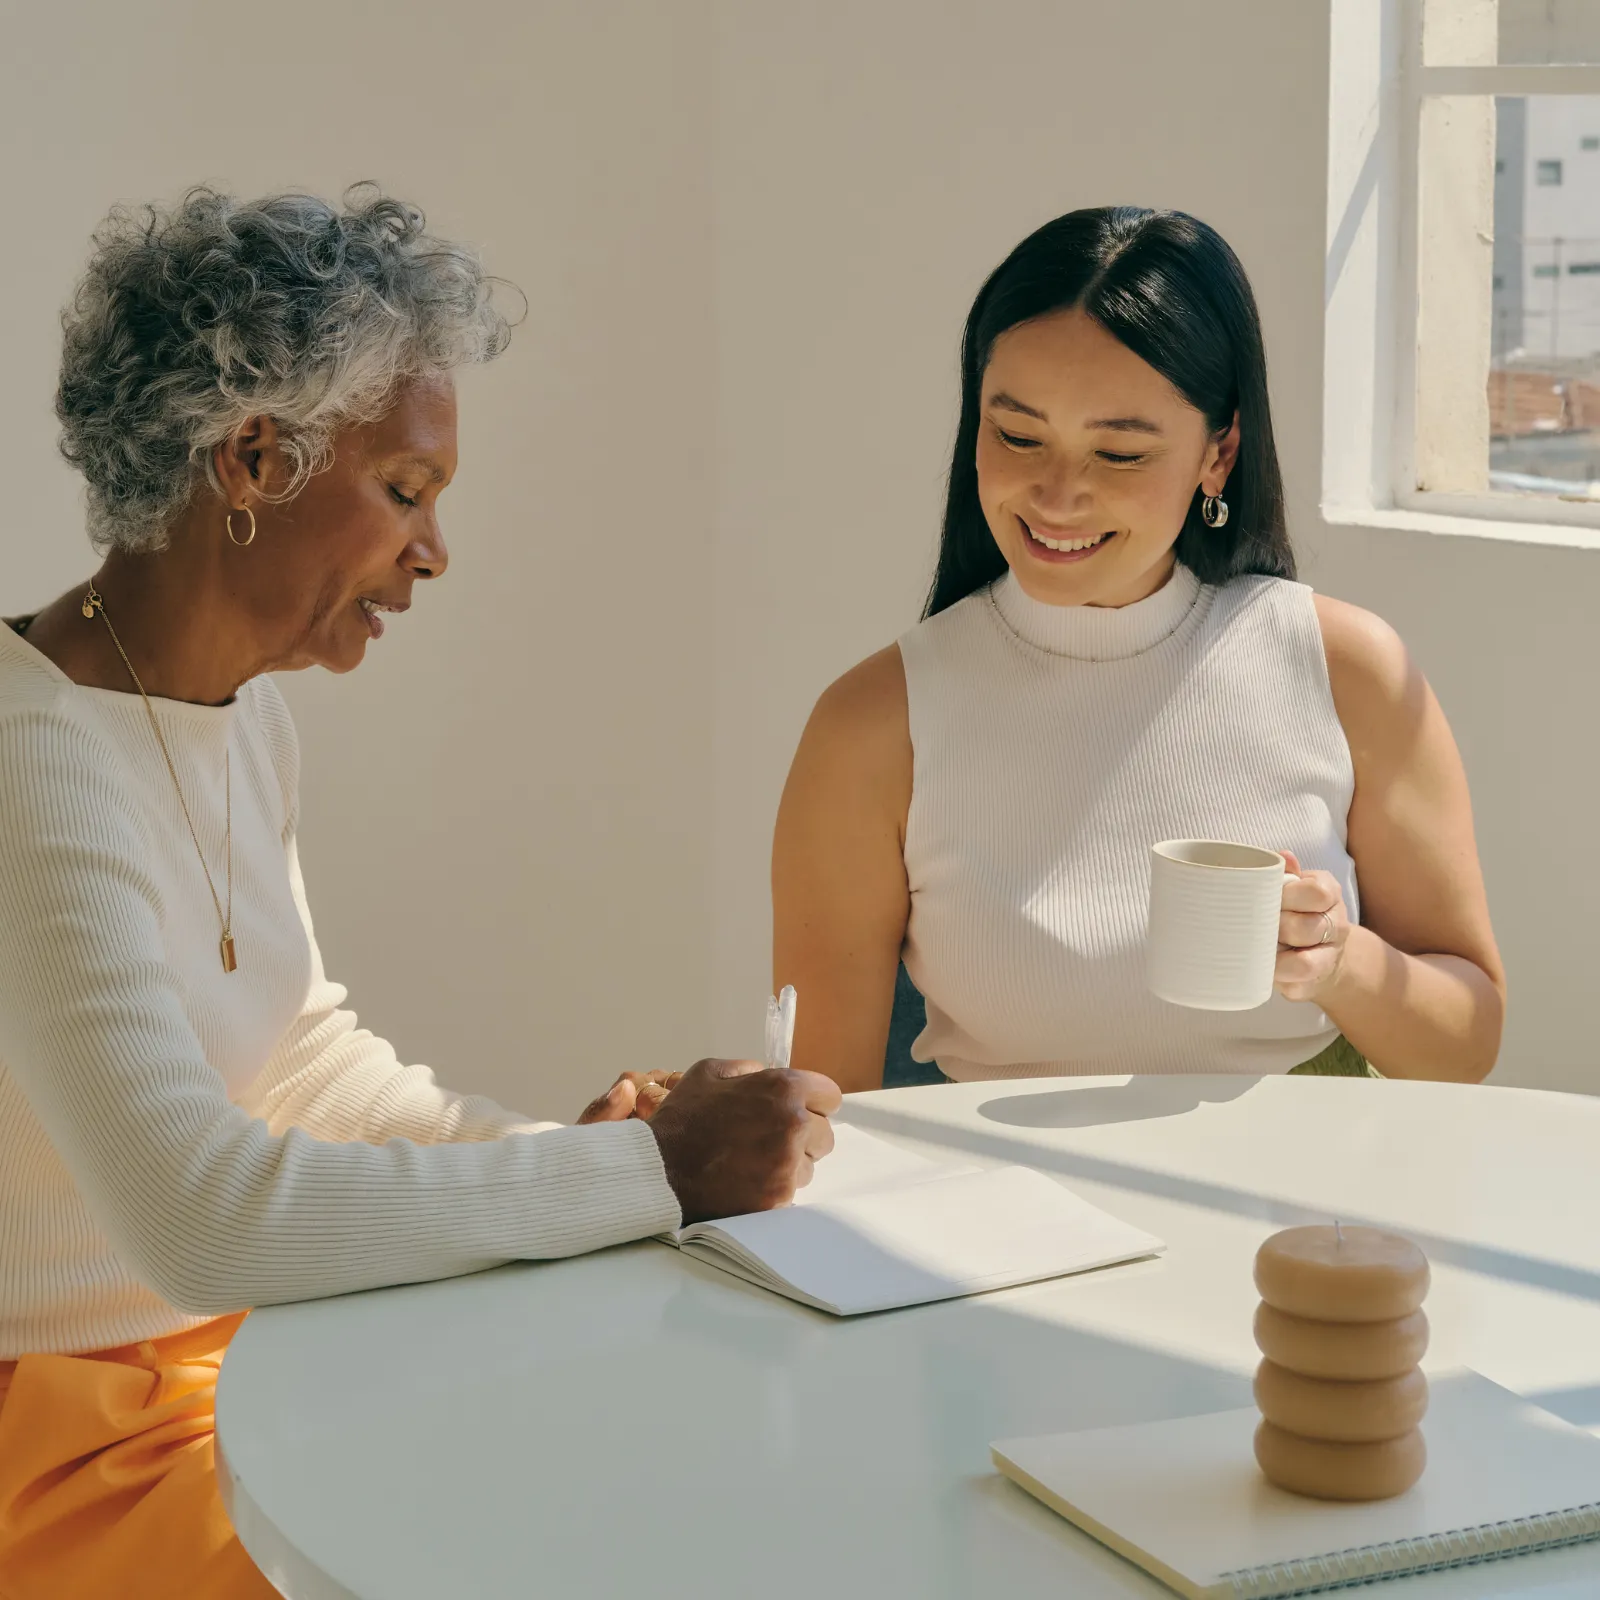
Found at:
[230, 960]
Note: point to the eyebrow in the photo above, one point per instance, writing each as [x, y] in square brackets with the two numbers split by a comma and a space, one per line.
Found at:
[1007, 402]
[1127, 425]
[424, 464]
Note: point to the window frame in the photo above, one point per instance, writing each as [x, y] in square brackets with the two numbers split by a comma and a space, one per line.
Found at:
[1417, 83]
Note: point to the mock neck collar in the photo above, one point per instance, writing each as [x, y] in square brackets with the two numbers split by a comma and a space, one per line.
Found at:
[1097, 633]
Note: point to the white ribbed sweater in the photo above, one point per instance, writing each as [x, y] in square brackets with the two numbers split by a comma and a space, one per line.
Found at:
[1052, 746]
[177, 1142]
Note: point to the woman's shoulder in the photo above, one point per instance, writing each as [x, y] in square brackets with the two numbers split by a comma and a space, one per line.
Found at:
[866, 704]
[40, 714]
[57, 761]
[1369, 668]
[1252, 589]
[1361, 641]
[1367, 663]
[28, 681]
[857, 742]
[855, 756]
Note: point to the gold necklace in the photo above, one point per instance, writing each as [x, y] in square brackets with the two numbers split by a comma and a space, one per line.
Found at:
[230, 961]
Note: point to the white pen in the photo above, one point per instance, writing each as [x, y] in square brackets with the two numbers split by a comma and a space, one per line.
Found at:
[780, 1027]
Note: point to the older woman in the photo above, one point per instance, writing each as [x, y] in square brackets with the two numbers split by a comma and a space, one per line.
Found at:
[260, 400]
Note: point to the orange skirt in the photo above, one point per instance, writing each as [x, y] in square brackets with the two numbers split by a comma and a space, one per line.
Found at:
[106, 1484]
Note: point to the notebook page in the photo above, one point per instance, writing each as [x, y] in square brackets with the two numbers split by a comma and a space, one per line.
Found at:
[1187, 1495]
[858, 1164]
[717, 1250]
[959, 1233]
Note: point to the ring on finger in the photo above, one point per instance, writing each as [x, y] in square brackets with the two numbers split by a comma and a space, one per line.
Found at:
[1327, 928]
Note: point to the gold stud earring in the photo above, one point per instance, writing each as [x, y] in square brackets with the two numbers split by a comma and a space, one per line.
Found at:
[249, 538]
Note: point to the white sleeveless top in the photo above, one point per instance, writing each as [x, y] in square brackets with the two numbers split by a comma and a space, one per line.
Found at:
[1052, 746]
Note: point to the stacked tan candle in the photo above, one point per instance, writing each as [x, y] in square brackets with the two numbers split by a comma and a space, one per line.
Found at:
[1342, 1329]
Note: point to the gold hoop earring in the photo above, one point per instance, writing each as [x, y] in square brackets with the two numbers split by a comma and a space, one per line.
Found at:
[249, 538]
[1214, 511]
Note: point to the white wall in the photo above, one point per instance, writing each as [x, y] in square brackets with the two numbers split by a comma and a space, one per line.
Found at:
[506, 831]
[709, 478]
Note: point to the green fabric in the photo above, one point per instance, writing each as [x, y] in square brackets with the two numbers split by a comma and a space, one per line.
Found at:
[1340, 1060]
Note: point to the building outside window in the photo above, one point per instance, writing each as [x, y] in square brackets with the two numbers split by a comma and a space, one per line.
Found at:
[1463, 371]
[1544, 371]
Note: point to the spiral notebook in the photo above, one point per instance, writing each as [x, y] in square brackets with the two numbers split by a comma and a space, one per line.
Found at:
[1185, 1500]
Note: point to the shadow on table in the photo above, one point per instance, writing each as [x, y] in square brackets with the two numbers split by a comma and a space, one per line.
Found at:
[1137, 1100]
[1580, 1406]
[1508, 1265]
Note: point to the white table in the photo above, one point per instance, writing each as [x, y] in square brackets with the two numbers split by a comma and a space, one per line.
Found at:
[636, 1424]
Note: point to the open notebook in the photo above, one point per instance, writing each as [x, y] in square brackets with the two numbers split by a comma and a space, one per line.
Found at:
[879, 1227]
[1185, 1500]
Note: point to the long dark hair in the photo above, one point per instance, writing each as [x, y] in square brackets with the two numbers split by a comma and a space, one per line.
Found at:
[1170, 289]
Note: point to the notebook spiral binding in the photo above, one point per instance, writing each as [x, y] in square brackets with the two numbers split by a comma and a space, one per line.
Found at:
[1461, 1547]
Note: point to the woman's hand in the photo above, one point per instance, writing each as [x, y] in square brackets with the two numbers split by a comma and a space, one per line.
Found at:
[653, 1094]
[1313, 930]
[736, 1137]
[634, 1094]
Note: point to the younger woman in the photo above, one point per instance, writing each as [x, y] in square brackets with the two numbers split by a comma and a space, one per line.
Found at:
[1115, 652]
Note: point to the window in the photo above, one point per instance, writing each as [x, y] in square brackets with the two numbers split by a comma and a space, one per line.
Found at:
[1464, 235]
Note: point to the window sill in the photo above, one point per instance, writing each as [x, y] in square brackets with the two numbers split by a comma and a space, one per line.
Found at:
[1569, 536]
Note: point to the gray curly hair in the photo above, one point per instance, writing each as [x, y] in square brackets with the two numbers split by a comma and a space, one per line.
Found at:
[190, 320]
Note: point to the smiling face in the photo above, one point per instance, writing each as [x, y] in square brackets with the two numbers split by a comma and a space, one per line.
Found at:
[1088, 461]
[328, 564]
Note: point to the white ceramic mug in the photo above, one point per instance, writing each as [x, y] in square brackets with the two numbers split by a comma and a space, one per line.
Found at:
[1213, 934]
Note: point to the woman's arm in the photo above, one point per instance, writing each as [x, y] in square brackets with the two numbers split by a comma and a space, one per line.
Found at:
[839, 895]
[205, 1203]
[1418, 987]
